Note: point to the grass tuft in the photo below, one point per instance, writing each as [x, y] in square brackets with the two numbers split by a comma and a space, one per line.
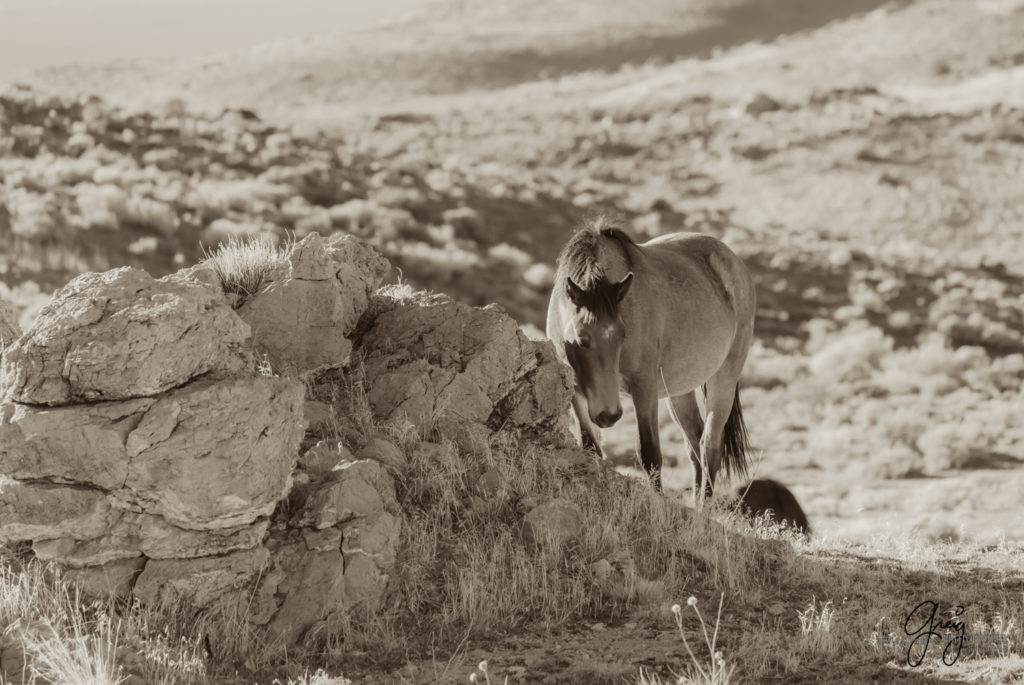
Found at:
[244, 265]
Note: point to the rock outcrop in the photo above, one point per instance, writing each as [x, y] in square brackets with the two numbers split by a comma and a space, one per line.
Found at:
[144, 451]
[462, 370]
[121, 334]
[301, 319]
[177, 455]
[9, 328]
[139, 440]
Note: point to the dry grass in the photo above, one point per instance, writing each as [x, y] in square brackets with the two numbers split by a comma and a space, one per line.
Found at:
[66, 638]
[885, 385]
[244, 265]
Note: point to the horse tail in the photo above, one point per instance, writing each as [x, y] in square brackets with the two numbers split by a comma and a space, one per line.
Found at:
[735, 443]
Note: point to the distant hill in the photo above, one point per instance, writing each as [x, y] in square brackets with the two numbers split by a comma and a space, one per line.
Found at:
[455, 46]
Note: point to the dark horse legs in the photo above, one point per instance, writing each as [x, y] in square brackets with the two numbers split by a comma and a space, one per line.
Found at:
[686, 414]
[645, 400]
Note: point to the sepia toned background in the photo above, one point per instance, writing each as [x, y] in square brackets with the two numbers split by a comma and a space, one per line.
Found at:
[865, 158]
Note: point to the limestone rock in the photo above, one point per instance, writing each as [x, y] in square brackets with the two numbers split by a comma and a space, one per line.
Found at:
[201, 581]
[439, 363]
[364, 582]
[357, 489]
[83, 443]
[302, 587]
[300, 321]
[553, 524]
[601, 571]
[324, 456]
[179, 456]
[305, 586]
[121, 334]
[228, 457]
[384, 452]
[134, 534]
[325, 540]
[37, 511]
[491, 483]
[113, 580]
[375, 537]
[9, 328]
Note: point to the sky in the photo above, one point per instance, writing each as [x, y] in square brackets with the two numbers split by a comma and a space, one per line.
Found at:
[39, 33]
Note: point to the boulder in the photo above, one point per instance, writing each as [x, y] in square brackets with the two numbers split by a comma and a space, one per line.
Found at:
[217, 454]
[134, 534]
[178, 456]
[201, 581]
[9, 328]
[383, 452]
[300, 320]
[113, 580]
[491, 484]
[121, 334]
[82, 443]
[301, 588]
[441, 364]
[324, 456]
[355, 489]
[43, 511]
[317, 574]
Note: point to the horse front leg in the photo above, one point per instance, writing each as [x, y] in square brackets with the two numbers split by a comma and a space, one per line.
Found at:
[645, 400]
[590, 434]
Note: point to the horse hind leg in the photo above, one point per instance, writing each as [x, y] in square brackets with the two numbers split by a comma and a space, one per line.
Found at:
[686, 413]
[724, 434]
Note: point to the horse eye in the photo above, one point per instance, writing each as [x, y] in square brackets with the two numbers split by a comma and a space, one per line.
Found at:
[585, 342]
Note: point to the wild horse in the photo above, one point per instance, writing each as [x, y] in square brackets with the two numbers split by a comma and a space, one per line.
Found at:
[672, 319]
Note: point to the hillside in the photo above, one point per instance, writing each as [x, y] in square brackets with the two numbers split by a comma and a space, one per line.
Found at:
[869, 201]
[864, 158]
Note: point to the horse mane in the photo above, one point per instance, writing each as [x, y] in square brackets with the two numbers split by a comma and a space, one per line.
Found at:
[579, 261]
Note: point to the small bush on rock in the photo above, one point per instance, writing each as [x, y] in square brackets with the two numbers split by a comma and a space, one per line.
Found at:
[244, 265]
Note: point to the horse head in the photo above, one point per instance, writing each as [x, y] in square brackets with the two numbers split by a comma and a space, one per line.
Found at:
[592, 337]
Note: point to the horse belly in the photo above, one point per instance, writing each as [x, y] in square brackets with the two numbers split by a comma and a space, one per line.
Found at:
[687, 364]
[676, 383]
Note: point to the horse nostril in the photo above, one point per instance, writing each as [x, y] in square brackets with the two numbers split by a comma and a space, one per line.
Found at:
[606, 419]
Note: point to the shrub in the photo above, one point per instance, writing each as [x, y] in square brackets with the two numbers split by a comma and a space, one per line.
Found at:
[244, 265]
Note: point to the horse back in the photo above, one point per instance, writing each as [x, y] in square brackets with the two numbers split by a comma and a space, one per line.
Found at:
[712, 259]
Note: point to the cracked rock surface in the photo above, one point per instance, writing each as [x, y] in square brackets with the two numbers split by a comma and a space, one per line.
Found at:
[301, 320]
[431, 360]
[122, 334]
[141, 450]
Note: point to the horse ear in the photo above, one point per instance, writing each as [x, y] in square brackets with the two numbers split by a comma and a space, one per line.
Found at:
[622, 287]
[574, 291]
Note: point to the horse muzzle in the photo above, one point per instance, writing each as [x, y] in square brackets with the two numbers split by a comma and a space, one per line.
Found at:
[607, 418]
